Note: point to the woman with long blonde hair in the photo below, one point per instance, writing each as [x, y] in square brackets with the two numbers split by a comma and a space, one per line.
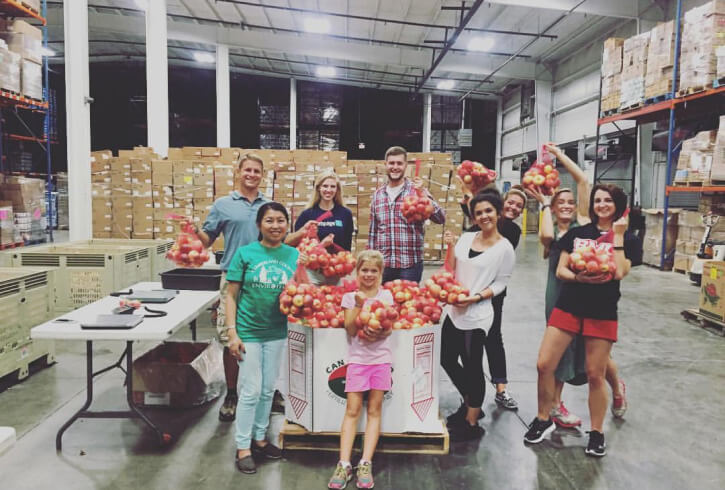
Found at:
[336, 228]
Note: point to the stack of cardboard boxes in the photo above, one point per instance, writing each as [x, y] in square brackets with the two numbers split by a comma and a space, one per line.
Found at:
[652, 246]
[26, 41]
[695, 161]
[134, 193]
[27, 196]
[611, 74]
[634, 69]
[703, 33]
[660, 60]
[717, 171]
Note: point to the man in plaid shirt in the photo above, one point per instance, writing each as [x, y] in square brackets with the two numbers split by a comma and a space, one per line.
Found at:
[400, 242]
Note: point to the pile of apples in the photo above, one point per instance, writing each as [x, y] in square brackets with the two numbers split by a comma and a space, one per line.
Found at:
[542, 176]
[403, 290]
[313, 306]
[417, 207]
[592, 258]
[318, 259]
[188, 251]
[419, 312]
[376, 316]
[444, 287]
[475, 175]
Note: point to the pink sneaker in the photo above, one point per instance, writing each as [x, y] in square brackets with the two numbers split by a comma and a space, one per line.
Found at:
[561, 417]
[619, 405]
[365, 475]
[341, 477]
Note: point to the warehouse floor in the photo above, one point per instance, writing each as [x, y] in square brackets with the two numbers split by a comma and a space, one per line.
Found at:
[670, 437]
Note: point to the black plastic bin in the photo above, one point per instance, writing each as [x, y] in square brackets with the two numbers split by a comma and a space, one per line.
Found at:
[194, 279]
[219, 256]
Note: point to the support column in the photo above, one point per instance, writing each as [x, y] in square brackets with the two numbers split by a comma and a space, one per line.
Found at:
[543, 114]
[499, 130]
[223, 107]
[427, 98]
[78, 118]
[292, 114]
[157, 77]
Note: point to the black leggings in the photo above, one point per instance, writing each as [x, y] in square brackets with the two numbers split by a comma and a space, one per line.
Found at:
[494, 344]
[468, 346]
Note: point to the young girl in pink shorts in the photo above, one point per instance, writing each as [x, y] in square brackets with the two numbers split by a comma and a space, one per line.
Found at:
[368, 370]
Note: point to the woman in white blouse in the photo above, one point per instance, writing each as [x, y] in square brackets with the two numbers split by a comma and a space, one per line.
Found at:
[483, 262]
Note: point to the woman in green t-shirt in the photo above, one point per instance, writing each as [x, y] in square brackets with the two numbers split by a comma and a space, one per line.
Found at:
[560, 213]
[257, 329]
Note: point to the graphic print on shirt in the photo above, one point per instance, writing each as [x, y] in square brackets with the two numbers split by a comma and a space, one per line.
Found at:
[269, 274]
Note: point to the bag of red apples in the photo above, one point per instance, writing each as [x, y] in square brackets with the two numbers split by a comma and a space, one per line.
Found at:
[443, 284]
[592, 257]
[542, 175]
[418, 207]
[339, 264]
[188, 251]
[475, 175]
[305, 303]
[416, 308]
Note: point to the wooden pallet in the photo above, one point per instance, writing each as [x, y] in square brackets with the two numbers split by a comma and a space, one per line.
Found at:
[294, 437]
[679, 271]
[631, 107]
[680, 183]
[657, 98]
[693, 315]
[692, 90]
[610, 112]
[30, 7]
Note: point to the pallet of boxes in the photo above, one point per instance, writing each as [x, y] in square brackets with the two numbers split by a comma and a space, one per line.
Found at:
[660, 63]
[652, 246]
[27, 196]
[695, 161]
[611, 75]
[634, 70]
[703, 34]
[25, 72]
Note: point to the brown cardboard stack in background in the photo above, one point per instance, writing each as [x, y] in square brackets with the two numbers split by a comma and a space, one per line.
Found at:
[652, 246]
[611, 73]
[660, 60]
[703, 32]
[717, 171]
[695, 161]
[634, 69]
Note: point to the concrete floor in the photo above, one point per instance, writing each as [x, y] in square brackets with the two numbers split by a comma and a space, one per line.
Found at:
[671, 436]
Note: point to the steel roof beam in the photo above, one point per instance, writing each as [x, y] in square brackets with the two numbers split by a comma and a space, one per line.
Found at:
[627, 9]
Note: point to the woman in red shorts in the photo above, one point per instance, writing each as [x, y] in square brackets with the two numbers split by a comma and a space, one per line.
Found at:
[587, 305]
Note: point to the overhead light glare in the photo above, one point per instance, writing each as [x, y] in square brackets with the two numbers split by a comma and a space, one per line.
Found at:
[446, 84]
[203, 57]
[142, 4]
[317, 25]
[480, 44]
[325, 71]
[47, 52]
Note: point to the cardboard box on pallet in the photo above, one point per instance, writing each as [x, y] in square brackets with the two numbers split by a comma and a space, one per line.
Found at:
[717, 171]
[660, 60]
[162, 172]
[703, 32]
[9, 70]
[23, 38]
[652, 246]
[316, 367]
[634, 69]
[696, 155]
[7, 223]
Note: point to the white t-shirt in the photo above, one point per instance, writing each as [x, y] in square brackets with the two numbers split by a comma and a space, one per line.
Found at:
[491, 269]
[394, 192]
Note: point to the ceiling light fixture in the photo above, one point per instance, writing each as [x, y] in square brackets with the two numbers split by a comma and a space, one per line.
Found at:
[480, 44]
[446, 84]
[203, 57]
[325, 71]
[317, 25]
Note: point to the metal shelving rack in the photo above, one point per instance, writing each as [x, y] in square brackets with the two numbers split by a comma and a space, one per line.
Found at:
[15, 8]
[673, 106]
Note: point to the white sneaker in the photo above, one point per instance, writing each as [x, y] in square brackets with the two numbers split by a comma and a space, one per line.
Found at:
[563, 418]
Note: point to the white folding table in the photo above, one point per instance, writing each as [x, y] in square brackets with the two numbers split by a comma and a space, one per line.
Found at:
[180, 311]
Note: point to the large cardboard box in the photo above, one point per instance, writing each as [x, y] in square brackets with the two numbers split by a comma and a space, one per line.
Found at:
[178, 374]
[652, 246]
[23, 38]
[712, 290]
[316, 380]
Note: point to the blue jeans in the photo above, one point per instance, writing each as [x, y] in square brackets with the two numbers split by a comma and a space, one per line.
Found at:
[412, 273]
[258, 373]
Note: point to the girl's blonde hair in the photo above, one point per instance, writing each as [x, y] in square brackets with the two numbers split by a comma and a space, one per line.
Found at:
[373, 256]
[317, 197]
[515, 190]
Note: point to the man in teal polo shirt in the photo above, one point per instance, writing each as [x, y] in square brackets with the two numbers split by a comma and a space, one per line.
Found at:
[234, 216]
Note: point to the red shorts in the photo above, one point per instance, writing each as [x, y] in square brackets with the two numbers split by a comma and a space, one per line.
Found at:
[588, 327]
